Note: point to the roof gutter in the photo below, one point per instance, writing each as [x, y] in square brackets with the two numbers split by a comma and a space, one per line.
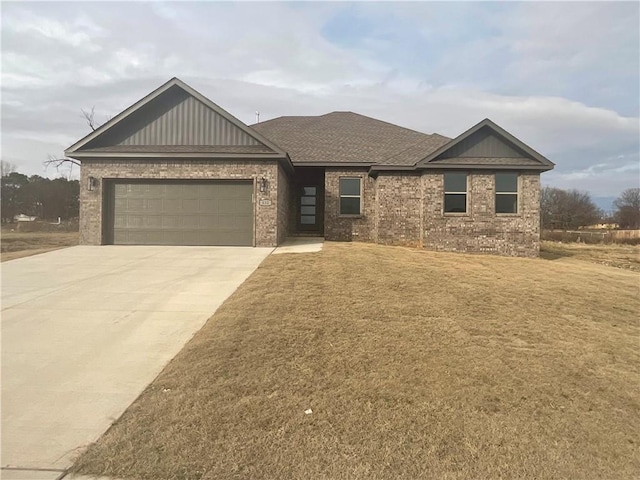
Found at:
[284, 160]
[107, 155]
[333, 164]
[391, 168]
[475, 166]
[376, 169]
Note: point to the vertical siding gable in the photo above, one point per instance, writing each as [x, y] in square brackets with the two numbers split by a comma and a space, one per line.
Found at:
[483, 143]
[174, 118]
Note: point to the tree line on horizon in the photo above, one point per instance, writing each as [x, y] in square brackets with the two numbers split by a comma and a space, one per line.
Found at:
[571, 209]
[40, 197]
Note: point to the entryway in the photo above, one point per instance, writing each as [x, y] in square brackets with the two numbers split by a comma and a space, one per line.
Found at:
[309, 200]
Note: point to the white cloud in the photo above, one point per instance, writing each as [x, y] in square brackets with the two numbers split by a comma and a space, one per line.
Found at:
[73, 35]
[557, 76]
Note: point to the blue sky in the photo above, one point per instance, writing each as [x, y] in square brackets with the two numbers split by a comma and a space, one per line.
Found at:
[563, 77]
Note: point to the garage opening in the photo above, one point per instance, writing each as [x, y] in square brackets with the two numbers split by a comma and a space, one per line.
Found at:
[179, 212]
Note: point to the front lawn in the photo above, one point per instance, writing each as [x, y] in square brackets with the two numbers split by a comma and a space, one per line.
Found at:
[414, 365]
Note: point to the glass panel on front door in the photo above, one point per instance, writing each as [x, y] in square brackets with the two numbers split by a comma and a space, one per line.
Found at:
[308, 205]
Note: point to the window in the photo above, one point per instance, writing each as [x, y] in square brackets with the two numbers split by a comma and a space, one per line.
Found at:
[455, 192]
[350, 193]
[506, 193]
[308, 205]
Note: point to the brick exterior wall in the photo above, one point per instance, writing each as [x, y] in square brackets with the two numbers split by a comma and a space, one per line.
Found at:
[91, 202]
[348, 228]
[407, 209]
[480, 230]
[284, 204]
[399, 209]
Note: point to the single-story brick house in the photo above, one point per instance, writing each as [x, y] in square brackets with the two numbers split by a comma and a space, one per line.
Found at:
[176, 169]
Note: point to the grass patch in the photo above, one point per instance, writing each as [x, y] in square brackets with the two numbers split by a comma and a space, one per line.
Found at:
[415, 364]
[613, 255]
[23, 244]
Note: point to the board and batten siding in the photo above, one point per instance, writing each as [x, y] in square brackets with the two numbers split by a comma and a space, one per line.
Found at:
[482, 144]
[174, 118]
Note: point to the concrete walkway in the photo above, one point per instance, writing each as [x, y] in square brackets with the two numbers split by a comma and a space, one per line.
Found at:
[86, 329]
[300, 245]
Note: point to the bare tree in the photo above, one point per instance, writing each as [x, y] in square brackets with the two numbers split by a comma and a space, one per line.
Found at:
[89, 116]
[57, 162]
[567, 209]
[6, 168]
[628, 208]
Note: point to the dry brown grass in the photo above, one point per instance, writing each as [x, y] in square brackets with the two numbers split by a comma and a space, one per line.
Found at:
[613, 255]
[415, 364]
[18, 244]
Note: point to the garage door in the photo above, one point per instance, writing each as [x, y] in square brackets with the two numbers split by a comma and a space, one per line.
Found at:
[180, 213]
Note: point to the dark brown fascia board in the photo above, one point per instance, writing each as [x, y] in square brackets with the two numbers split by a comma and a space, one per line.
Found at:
[333, 164]
[475, 166]
[500, 131]
[287, 164]
[161, 89]
[284, 161]
[391, 168]
[376, 169]
[107, 155]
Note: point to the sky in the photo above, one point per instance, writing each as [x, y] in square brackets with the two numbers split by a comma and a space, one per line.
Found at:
[564, 77]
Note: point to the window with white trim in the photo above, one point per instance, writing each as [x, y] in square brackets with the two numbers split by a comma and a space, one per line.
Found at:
[350, 195]
[506, 192]
[455, 192]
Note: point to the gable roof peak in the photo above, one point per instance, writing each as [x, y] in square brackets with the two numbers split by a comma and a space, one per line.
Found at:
[174, 81]
[342, 112]
[545, 162]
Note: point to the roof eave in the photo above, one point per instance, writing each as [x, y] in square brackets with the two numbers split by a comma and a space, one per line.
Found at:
[287, 164]
[106, 155]
[284, 160]
[333, 164]
[475, 166]
[376, 169]
[390, 168]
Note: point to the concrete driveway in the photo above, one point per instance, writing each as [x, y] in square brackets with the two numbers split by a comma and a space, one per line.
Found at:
[86, 329]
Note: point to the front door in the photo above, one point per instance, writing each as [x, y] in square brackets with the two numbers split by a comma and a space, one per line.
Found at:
[309, 209]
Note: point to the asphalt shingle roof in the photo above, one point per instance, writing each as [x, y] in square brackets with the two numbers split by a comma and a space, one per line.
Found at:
[347, 137]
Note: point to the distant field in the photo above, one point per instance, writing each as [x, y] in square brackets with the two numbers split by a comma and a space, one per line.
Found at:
[628, 237]
[613, 255]
[413, 364]
[18, 244]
